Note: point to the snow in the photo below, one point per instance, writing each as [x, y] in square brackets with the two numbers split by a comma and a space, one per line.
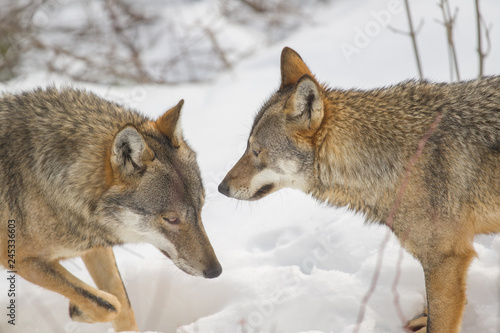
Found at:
[290, 263]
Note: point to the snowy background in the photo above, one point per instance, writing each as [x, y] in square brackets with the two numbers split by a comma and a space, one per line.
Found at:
[290, 264]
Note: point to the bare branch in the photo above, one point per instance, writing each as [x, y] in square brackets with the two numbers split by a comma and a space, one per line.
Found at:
[125, 40]
[449, 22]
[394, 288]
[413, 35]
[479, 24]
[217, 48]
[414, 40]
[479, 44]
[487, 30]
[390, 219]
[255, 5]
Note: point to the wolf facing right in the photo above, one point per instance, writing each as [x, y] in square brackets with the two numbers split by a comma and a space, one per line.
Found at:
[79, 175]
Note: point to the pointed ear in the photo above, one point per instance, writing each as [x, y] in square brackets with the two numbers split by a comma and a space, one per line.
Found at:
[292, 67]
[130, 153]
[305, 108]
[168, 124]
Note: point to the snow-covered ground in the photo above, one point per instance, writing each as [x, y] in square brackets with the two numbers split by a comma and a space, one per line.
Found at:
[290, 264]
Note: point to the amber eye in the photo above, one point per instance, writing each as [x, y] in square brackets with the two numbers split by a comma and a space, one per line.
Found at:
[256, 152]
[172, 220]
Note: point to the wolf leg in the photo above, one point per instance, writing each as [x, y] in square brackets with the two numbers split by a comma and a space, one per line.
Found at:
[101, 264]
[446, 293]
[98, 306]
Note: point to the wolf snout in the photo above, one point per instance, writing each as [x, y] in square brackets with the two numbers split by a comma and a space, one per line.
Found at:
[213, 272]
[224, 188]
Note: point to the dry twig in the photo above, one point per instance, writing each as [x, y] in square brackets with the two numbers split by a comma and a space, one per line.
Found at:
[449, 23]
[390, 221]
[413, 35]
[482, 54]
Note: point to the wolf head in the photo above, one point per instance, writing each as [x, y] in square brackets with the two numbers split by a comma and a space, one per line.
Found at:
[280, 150]
[156, 193]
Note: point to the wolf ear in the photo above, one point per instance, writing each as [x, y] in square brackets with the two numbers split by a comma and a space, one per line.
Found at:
[168, 124]
[292, 67]
[305, 107]
[129, 152]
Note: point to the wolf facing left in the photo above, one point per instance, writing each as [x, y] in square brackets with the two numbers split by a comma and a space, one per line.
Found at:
[78, 175]
[354, 148]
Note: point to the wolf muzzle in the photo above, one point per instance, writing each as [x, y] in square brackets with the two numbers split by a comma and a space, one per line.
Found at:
[213, 272]
[224, 188]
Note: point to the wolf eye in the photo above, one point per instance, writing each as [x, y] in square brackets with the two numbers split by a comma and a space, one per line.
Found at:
[256, 152]
[172, 220]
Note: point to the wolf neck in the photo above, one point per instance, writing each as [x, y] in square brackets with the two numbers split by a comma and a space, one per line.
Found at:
[362, 149]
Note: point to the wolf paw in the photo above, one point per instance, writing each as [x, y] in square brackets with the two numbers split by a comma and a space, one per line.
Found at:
[106, 310]
[418, 324]
[77, 315]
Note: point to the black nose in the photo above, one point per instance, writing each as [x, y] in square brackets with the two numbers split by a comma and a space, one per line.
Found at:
[213, 272]
[224, 188]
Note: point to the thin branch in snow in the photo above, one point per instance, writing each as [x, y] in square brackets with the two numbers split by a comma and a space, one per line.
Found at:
[394, 288]
[373, 285]
[390, 218]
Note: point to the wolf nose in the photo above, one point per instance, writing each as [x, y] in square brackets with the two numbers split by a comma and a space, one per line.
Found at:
[213, 272]
[224, 188]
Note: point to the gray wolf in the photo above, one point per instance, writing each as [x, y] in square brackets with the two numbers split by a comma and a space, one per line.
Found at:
[353, 148]
[79, 175]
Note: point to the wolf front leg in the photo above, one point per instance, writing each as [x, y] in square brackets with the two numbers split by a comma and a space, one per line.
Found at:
[98, 306]
[446, 294]
[101, 264]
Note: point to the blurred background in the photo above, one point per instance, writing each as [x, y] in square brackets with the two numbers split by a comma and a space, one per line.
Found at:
[149, 41]
[174, 41]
